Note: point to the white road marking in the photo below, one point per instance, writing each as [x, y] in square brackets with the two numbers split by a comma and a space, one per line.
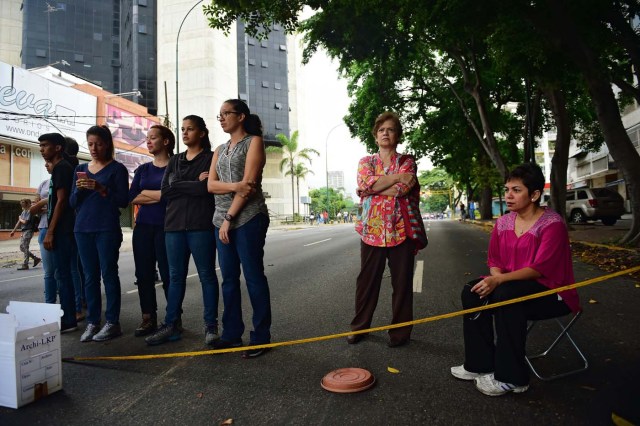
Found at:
[417, 277]
[317, 242]
[21, 278]
[159, 284]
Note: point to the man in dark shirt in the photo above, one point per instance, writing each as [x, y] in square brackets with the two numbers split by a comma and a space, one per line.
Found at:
[59, 239]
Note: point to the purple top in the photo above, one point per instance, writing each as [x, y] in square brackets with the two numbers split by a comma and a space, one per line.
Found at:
[544, 247]
[148, 176]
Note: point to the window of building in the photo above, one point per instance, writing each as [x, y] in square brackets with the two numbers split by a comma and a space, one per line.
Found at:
[277, 86]
[276, 27]
[264, 44]
[41, 53]
[97, 36]
[265, 84]
[278, 105]
[61, 6]
[78, 57]
[283, 47]
[142, 3]
[252, 61]
[142, 28]
[243, 96]
[251, 42]
[279, 126]
[265, 64]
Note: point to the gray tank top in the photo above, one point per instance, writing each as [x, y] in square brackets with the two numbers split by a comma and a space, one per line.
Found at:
[230, 168]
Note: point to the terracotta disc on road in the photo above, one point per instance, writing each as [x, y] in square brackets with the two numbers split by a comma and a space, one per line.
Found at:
[348, 380]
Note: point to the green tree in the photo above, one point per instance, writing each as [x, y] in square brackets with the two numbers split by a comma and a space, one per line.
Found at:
[333, 204]
[291, 157]
[300, 171]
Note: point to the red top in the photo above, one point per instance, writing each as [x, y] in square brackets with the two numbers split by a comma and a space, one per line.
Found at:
[544, 247]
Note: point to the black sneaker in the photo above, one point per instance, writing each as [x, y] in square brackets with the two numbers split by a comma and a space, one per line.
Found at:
[166, 333]
[255, 353]
[36, 261]
[226, 344]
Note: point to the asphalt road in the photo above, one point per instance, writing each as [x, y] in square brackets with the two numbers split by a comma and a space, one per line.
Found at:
[312, 274]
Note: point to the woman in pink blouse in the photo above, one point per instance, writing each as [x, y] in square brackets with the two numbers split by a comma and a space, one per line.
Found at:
[382, 179]
[528, 253]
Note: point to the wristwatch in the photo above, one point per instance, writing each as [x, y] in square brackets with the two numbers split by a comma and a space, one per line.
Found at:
[228, 217]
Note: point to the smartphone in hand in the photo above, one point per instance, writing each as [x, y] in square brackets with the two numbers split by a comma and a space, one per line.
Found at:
[81, 175]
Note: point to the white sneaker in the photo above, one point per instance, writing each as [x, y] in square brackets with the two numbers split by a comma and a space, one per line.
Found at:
[488, 385]
[460, 373]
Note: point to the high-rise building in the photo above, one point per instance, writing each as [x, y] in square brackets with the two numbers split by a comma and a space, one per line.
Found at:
[111, 43]
[336, 179]
[212, 66]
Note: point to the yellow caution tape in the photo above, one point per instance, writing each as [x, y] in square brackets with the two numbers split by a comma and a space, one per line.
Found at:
[369, 330]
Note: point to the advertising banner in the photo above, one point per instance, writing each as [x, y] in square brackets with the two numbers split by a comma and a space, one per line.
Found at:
[31, 105]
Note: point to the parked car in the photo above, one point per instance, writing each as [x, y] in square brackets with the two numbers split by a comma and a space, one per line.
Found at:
[594, 204]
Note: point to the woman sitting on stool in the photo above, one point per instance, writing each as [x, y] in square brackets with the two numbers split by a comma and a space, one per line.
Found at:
[528, 253]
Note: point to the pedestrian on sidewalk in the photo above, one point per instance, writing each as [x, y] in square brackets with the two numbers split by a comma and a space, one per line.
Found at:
[241, 221]
[59, 239]
[28, 223]
[382, 178]
[148, 238]
[528, 253]
[98, 194]
[189, 232]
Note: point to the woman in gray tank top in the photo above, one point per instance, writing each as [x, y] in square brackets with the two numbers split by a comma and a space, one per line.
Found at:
[241, 220]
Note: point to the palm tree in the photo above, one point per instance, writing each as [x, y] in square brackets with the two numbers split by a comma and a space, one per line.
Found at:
[299, 171]
[291, 156]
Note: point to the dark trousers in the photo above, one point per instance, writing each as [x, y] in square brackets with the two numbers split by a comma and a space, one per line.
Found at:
[149, 248]
[506, 355]
[372, 264]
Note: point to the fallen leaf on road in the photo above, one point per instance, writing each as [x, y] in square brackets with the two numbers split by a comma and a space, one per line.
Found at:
[592, 301]
[227, 422]
[393, 370]
[200, 394]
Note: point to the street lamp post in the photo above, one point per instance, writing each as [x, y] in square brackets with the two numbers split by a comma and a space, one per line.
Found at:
[326, 159]
[177, 113]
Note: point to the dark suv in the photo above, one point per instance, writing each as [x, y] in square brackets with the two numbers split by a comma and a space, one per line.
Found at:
[594, 204]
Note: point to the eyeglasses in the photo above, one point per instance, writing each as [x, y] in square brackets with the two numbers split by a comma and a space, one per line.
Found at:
[225, 114]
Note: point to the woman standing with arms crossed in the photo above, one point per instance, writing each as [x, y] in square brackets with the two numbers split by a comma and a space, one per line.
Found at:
[241, 220]
[382, 179]
[148, 235]
[188, 230]
[100, 191]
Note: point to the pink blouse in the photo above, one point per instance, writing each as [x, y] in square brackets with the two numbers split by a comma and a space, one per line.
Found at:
[544, 247]
[381, 224]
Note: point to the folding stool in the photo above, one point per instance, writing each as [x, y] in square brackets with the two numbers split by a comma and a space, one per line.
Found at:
[564, 332]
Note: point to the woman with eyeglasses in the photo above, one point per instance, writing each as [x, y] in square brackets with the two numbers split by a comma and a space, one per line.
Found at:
[529, 253]
[241, 220]
[189, 231]
[148, 235]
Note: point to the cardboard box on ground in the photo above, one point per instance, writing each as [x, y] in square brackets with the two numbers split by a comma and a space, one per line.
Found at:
[30, 358]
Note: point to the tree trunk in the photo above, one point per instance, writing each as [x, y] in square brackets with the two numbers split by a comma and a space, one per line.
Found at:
[486, 201]
[620, 147]
[298, 191]
[293, 195]
[560, 160]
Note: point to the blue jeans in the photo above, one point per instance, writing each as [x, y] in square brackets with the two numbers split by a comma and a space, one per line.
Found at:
[246, 248]
[202, 246]
[101, 250]
[61, 256]
[77, 280]
[50, 283]
[148, 249]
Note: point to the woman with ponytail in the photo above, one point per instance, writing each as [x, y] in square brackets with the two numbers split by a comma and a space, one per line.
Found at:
[188, 230]
[148, 235]
[241, 220]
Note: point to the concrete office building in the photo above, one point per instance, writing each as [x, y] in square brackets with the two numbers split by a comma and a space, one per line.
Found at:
[110, 43]
[336, 180]
[213, 67]
[10, 31]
